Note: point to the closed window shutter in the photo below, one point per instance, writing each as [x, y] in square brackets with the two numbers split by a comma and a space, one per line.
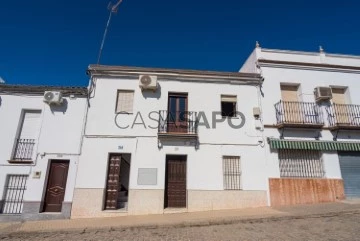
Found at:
[125, 101]
[228, 98]
[31, 125]
[289, 93]
[338, 96]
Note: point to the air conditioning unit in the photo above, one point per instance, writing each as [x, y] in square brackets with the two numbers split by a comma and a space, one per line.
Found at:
[323, 93]
[53, 97]
[148, 82]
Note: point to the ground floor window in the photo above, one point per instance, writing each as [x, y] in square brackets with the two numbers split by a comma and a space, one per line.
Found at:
[301, 164]
[232, 172]
[14, 194]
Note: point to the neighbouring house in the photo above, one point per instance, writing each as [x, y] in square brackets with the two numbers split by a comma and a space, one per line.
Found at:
[165, 140]
[311, 114]
[40, 148]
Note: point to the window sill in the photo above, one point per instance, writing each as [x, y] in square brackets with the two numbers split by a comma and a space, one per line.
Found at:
[230, 117]
[124, 113]
[122, 210]
[20, 161]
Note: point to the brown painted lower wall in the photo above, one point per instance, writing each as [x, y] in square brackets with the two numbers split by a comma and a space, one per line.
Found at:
[288, 191]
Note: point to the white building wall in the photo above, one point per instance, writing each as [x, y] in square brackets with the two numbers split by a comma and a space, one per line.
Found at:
[204, 165]
[309, 78]
[59, 137]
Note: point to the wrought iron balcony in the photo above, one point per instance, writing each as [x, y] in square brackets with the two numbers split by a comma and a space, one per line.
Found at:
[23, 151]
[341, 116]
[179, 123]
[298, 114]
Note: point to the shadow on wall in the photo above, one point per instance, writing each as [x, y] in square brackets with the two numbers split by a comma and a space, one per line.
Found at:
[177, 143]
[346, 134]
[303, 134]
[152, 94]
[0, 100]
[60, 108]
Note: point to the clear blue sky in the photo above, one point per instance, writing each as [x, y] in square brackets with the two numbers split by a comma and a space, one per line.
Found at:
[53, 42]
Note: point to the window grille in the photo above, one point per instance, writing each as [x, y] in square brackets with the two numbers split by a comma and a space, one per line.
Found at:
[125, 100]
[24, 149]
[301, 164]
[14, 194]
[232, 172]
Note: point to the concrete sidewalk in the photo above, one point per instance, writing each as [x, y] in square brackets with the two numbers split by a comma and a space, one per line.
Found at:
[184, 219]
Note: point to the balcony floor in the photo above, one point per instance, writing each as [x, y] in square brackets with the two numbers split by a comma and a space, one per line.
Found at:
[299, 125]
[181, 135]
[344, 126]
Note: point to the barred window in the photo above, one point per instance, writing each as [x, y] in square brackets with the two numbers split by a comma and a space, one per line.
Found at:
[14, 194]
[232, 172]
[125, 100]
[301, 164]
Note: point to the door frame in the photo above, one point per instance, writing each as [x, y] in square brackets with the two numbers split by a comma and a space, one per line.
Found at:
[185, 156]
[107, 174]
[46, 183]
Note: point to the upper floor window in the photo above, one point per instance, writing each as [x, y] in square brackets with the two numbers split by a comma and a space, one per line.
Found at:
[29, 130]
[290, 92]
[228, 105]
[125, 101]
[339, 95]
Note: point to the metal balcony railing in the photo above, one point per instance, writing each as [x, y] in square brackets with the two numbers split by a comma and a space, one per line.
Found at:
[24, 149]
[298, 113]
[344, 115]
[181, 122]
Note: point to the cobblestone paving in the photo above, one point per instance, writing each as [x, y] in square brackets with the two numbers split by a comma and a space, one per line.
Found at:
[344, 226]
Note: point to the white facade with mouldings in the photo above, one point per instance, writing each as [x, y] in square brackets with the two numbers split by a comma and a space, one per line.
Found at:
[148, 150]
[305, 71]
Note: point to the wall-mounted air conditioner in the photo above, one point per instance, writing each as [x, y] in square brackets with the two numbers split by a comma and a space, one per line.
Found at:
[53, 97]
[322, 93]
[148, 82]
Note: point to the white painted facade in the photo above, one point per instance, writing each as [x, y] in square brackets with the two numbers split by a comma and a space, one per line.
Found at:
[59, 137]
[86, 132]
[204, 164]
[309, 70]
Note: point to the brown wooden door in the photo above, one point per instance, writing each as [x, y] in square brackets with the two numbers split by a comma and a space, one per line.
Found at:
[56, 186]
[175, 184]
[113, 183]
[177, 113]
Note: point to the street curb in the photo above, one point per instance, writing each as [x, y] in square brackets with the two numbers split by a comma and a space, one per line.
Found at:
[15, 232]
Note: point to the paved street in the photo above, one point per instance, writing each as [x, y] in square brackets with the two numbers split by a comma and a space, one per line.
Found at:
[340, 226]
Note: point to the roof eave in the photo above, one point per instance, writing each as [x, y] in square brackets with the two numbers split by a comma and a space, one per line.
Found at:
[117, 71]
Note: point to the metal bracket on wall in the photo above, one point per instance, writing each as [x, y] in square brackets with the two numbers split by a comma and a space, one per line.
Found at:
[317, 137]
[159, 144]
[197, 144]
[282, 133]
[336, 135]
